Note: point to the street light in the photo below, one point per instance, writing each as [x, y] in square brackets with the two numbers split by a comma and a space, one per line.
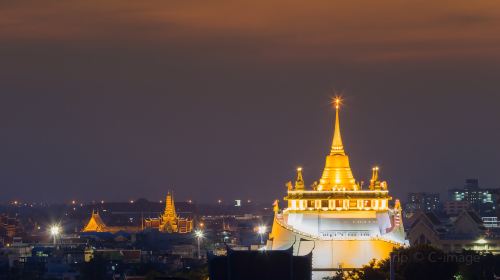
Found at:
[55, 230]
[261, 230]
[199, 235]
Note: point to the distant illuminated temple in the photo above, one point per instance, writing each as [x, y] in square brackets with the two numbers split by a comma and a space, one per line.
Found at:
[168, 222]
[344, 225]
[96, 224]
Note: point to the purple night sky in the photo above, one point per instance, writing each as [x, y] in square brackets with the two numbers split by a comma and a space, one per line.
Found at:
[118, 100]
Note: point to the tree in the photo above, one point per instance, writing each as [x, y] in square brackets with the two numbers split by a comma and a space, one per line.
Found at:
[414, 263]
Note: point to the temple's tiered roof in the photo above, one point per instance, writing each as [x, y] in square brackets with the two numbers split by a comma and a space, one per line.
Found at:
[337, 180]
[95, 223]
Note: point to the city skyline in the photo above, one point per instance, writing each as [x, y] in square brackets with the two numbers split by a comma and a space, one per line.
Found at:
[124, 100]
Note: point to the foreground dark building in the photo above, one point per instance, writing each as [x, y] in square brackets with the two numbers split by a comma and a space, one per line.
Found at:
[264, 265]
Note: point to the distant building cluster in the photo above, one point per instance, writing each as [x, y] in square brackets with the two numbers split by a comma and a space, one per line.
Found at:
[168, 222]
[468, 219]
[127, 247]
[179, 237]
[10, 227]
[453, 234]
[482, 200]
[422, 201]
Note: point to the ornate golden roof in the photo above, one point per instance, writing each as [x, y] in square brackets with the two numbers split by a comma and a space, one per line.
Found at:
[95, 223]
[169, 218]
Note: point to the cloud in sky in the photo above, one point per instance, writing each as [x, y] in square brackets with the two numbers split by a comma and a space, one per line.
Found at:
[352, 30]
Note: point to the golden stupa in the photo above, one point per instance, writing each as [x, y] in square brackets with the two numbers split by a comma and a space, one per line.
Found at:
[169, 221]
[343, 225]
[337, 174]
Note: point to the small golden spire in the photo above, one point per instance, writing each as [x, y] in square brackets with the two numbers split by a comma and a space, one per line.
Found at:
[375, 173]
[374, 180]
[397, 205]
[299, 183]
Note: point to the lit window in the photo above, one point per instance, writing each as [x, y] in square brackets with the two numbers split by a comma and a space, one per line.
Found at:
[324, 203]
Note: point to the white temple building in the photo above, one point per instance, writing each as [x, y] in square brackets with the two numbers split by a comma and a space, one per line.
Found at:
[342, 223]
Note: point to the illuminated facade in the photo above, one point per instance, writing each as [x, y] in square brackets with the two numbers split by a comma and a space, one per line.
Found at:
[482, 200]
[96, 224]
[169, 221]
[343, 224]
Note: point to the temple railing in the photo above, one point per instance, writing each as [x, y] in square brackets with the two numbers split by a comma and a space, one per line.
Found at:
[282, 223]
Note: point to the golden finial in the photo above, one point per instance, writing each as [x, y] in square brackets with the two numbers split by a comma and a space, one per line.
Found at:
[299, 183]
[337, 101]
[374, 183]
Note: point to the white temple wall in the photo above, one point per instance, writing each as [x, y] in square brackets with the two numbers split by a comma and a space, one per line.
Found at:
[330, 254]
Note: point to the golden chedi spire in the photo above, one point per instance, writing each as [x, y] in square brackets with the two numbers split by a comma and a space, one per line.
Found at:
[169, 211]
[337, 175]
[169, 217]
[299, 183]
[337, 146]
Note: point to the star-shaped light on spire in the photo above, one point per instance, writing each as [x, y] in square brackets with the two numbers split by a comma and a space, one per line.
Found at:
[337, 101]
